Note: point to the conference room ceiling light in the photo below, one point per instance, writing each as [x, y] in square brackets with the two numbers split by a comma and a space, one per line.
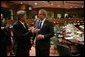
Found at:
[35, 3]
[21, 3]
[30, 8]
[51, 4]
[58, 6]
[76, 7]
[71, 7]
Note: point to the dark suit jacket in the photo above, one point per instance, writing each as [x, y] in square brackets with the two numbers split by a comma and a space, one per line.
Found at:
[5, 41]
[5, 36]
[22, 36]
[48, 31]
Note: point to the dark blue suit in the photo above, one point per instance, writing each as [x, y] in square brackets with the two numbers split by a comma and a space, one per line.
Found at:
[43, 45]
[22, 39]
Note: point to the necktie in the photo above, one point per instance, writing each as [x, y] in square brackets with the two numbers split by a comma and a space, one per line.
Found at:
[40, 24]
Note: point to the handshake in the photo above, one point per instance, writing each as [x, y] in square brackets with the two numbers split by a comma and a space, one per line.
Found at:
[33, 29]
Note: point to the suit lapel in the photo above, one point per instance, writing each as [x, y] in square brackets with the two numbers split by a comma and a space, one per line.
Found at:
[26, 26]
[44, 24]
[21, 25]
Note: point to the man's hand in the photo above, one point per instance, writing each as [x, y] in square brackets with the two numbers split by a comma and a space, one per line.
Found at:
[40, 36]
[33, 30]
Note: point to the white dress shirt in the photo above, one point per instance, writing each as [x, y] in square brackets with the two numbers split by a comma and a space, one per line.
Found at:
[42, 22]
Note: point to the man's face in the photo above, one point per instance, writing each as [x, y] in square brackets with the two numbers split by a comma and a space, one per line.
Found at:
[41, 15]
[23, 18]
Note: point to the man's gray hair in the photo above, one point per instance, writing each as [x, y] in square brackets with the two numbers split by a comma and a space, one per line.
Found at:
[20, 14]
[43, 11]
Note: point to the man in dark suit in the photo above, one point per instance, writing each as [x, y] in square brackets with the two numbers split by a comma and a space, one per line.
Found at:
[5, 37]
[22, 36]
[44, 32]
